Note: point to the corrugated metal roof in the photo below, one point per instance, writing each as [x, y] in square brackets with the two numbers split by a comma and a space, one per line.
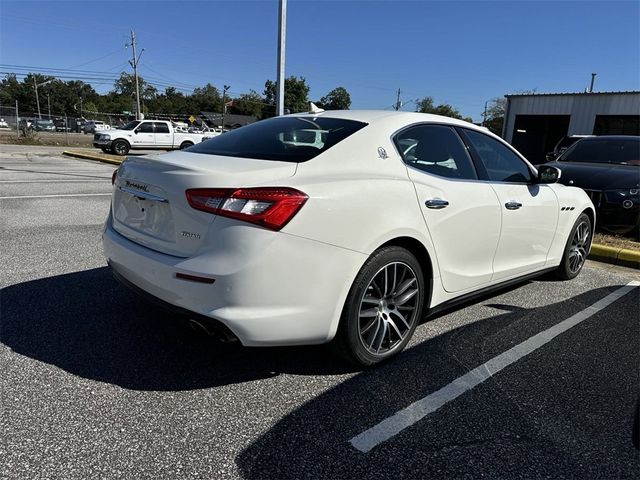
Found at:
[569, 93]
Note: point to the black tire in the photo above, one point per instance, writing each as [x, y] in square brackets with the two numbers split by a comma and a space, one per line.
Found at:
[576, 249]
[184, 145]
[120, 147]
[367, 338]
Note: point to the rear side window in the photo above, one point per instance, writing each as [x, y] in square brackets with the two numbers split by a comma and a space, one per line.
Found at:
[435, 149]
[286, 139]
[161, 127]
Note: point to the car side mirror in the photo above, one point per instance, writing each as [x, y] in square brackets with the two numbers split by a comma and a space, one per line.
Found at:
[135, 131]
[551, 156]
[548, 174]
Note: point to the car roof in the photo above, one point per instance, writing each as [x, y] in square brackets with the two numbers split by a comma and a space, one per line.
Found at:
[394, 117]
[611, 137]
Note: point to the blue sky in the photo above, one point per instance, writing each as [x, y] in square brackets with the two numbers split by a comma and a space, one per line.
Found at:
[458, 52]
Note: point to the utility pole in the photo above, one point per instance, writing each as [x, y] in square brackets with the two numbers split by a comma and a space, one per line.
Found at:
[593, 79]
[484, 115]
[134, 63]
[224, 107]
[398, 104]
[49, 103]
[17, 121]
[282, 34]
[35, 84]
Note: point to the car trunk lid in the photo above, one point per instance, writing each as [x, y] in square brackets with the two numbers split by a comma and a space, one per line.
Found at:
[150, 207]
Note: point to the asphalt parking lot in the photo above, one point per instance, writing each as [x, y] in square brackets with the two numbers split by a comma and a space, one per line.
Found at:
[97, 384]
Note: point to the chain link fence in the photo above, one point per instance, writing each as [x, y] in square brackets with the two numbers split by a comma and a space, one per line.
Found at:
[25, 122]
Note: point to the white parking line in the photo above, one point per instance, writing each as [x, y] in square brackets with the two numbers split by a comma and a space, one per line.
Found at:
[61, 195]
[393, 425]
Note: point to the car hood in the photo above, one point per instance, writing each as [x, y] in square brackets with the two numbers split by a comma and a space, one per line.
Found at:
[598, 176]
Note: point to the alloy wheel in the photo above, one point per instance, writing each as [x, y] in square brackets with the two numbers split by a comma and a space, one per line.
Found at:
[579, 246]
[388, 308]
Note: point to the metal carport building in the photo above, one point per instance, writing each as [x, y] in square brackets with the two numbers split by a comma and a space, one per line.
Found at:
[535, 122]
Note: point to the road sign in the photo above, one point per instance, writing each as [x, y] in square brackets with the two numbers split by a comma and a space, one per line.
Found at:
[192, 119]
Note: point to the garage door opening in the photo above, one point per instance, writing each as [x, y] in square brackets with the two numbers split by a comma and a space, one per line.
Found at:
[535, 135]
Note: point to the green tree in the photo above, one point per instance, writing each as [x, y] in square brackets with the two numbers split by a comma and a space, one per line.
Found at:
[125, 86]
[296, 95]
[494, 118]
[425, 105]
[248, 104]
[336, 99]
[11, 90]
[206, 99]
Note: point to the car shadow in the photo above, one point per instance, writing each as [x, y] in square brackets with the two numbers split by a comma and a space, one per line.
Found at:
[91, 326]
[480, 434]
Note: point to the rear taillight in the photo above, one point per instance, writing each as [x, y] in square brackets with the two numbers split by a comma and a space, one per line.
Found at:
[270, 207]
[114, 175]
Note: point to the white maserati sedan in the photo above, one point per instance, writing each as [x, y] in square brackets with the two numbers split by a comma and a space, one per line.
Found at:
[340, 226]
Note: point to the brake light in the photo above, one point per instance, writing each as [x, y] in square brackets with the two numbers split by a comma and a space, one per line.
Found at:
[270, 207]
[114, 175]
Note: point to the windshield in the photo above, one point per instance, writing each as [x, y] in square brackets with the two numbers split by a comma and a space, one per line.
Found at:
[618, 151]
[286, 139]
[44, 122]
[130, 125]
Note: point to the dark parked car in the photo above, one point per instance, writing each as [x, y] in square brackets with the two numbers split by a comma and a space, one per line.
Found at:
[61, 125]
[41, 125]
[608, 169]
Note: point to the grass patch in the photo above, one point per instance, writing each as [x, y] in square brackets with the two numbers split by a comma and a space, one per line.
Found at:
[617, 241]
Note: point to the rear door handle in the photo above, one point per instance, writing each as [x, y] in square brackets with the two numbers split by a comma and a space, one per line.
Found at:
[513, 205]
[436, 203]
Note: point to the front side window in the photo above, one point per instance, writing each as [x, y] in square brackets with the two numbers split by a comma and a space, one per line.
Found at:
[161, 127]
[285, 139]
[501, 164]
[435, 149]
[145, 127]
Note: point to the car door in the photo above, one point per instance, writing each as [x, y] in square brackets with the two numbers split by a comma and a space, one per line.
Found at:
[462, 215]
[144, 135]
[529, 209]
[164, 138]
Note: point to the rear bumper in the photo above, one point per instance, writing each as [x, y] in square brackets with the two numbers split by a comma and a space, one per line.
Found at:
[280, 289]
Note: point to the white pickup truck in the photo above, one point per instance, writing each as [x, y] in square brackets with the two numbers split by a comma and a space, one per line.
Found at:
[144, 134]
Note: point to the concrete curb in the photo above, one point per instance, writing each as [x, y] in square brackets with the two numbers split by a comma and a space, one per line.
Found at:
[601, 253]
[92, 156]
[615, 256]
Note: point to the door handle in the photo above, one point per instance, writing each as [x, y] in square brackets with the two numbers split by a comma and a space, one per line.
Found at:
[513, 205]
[436, 203]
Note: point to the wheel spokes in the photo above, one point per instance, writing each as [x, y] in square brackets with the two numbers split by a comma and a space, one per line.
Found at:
[382, 326]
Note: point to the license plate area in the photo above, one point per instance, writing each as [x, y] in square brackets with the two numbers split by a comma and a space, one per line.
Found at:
[145, 213]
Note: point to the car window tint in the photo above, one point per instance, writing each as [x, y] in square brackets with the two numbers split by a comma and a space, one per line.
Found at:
[619, 151]
[286, 139]
[502, 164]
[161, 127]
[435, 149]
[145, 127]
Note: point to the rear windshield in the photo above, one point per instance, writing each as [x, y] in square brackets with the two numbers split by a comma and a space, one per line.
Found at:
[286, 139]
[620, 151]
